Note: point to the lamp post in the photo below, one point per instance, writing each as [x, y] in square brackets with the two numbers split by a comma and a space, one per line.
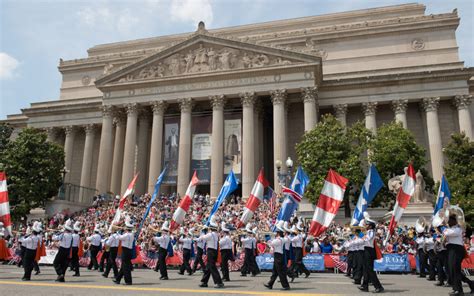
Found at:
[61, 192]
[284, 179]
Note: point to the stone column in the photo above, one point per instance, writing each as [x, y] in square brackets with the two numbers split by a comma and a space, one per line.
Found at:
[309, 96]
[399, 107]
[430, 106]
[129, 148]
[369, 110]
[104, 166]
[156, 150]
[142, 151]
[462, 104]
[256, 136]
[341, 113]
[279, 131]
[51, 132]
[217, 144]
[184, 157]
[87, 161]
[70, 132]
[248, 147]
[117, 162]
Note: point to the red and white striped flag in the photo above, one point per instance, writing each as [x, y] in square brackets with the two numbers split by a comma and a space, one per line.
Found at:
[329, 201]
[339, 263]
[273, 200]
[184, 204]
[403, 197]
[255, 198]
[5, 204]
[127, 193]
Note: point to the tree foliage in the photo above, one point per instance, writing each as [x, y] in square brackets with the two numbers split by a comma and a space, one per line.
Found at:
[392, 150]
[5, 133]
[459, 172]
[33, 167]
[331, 145]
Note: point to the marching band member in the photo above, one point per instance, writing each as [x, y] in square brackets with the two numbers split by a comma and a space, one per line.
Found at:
[187, 242]
[249, 243]
[225, 244]
[279, 268]
[349, 247]
[112, 244]
[163, 242]
[41, 252]
[433, 259]
[297, 265]
[442, 254]
[127, 239]
[212, 242]
[369, 258]
[22, 244]
[105, 249]
[358, 262]
[61, 261]
[31, 244]
[287, 245]
[201, 248]
[76, 248]
[421, 250]
[95, 241]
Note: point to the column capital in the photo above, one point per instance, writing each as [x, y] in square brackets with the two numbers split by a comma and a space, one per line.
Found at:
[247, 98]
[144, 114]
[309, 94]
[69, 130]
[340, 109]
[369, 108]
[217, 102]
[107, 110]
[399, 106]
[89, 129]
[278, 96]
[430, 104]
[186, 105]
[119, 118]
[159, 107]
[462, 101]
[131, 109]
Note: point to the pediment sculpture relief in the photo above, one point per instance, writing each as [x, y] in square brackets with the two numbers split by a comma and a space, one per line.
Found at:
[205, 58]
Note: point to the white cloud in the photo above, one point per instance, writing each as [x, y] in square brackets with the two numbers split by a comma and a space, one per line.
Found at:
[192, 11]
[8, 64]
[105, 18]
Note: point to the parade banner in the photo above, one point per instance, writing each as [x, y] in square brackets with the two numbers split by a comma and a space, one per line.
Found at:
[314, 262]
[49, 258]
[233, 145]
[171, 150]
[265, 261]
[393, 263]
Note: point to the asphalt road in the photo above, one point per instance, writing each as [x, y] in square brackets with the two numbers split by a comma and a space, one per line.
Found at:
[146, 282]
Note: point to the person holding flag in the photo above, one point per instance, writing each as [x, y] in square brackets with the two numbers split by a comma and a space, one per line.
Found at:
[163, 241]
[370, 255]
[126, 240]
[228, 187]
[372, 184]
[212, 242]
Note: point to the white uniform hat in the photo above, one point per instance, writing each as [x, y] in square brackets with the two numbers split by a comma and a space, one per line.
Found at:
[77, 226]
[128, 222]
[36, 227]
[299, 226]
[223, 227]
[248, 228]
[286, 226]
[191, 231]
[68, 225]
[279, 226]
[165, 226]
[254, 230]
[367, 219]
[293, 229]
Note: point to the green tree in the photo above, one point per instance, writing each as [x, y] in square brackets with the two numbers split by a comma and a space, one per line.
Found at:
[459, 172]
[5, 133]
[392, 150]
[331, 145]
[33, 166]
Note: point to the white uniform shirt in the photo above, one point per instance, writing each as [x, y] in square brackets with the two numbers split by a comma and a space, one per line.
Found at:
[248, 242]
[286, 242]
[95, 239]
[277, 245]
[212, 240]
[163, 241]
[297, 241]
[75, 240]
[186, 241]
[225, 243]
[429, 243]
[31, 242]
[112, 241]
[453, 235]
[200, 241]
[22, 240]
[369, 238]
[64, 238]
[127, 240]
[358, 244]
[420, 241]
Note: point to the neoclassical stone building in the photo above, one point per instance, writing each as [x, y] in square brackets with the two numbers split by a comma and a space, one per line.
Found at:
[241, 97]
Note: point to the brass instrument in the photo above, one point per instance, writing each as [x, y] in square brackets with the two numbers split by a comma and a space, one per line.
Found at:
[455, 210]
[420, 225]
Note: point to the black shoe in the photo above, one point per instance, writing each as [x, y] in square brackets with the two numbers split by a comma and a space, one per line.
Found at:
[76, 274]
[203, 285]
[127, 284]
[105, 275]
[164, 278]
[285, 288]
[181, 273]
[60, 279]
[89, 268]
[471, 286]
[190, 273]
[101, 269]
[26, 279]
[225, 280]
[363, 289]
[379, 290]
[115, 281]
[37, 272]
[253, 275]
[307, 275]
[456, 293]
[243, 274]
[219, 286]
[268, 286]
[439, 284]
[431, 279]
[422, 276]
[447, 285]
[357, 282]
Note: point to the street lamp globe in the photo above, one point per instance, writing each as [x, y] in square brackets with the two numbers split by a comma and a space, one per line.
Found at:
[278, 164]
[289, 163]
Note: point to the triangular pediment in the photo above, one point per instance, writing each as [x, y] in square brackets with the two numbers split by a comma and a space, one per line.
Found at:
[204, 53]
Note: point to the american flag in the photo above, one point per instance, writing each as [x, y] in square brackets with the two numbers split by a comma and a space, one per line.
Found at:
[293, 194]
[341, 264]
[271, 199]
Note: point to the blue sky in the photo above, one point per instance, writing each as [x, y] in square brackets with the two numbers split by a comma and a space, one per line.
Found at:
[34, 34]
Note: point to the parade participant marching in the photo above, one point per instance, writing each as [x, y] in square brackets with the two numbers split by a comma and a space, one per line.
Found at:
[22, 244]
[187, 242]
[41, 252]
[95, 241]
[442, 255]
[76, 248]
[432, 257]
[31, 244]
[201, 248]
[163, 242]
[287, 249]
[112, 243]
[105, 249]
[279, 268]
[249, 243]
[420, 246]
[358, 259]
[127, 239]
[297, 265]
[212, 243]
[61, 261]
[369, 258]
[4, 252]
[225, 244]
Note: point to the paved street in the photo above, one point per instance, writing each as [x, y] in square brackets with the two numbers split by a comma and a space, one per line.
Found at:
[146, 283]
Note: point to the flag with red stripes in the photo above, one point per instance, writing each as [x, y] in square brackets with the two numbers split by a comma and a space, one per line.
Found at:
[185, 203]
[291, 193]
[329, 201]
[254, 200]
[403, 197]
[339, 263]
[119, 209]
[272, 200]
[5, 204]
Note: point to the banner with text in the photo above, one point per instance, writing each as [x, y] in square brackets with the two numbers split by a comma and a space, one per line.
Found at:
[171, 149]
[233, 144]
[201, 150]
[393, 263]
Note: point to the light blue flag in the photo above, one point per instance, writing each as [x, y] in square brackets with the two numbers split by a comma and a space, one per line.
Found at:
[290, 204]
[444, 196]
[373, 183]
[153, 197]
[229, 186]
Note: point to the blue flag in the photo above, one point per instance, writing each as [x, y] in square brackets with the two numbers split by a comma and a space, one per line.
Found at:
[153, 197]
[229, 186]
[444, 196]
[372, 185]
[289, 206]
